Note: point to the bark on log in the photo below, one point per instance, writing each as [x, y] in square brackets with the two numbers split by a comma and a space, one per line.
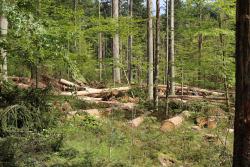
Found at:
[211, 123]
[172, 123]
[92, 91]
[184, 97]
[93, 112]
[68, 83]
[138, 121]
[124, 106]
[195, 89]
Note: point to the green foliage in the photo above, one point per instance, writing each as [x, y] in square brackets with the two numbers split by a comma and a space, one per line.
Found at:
[24, 110]
[91, 123]
[25, 151]
[69, 153]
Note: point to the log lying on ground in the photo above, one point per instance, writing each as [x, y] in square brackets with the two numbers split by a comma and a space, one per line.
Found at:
[185, 97]
[93, 112]
[195, 89]
[92, 91]
[68, 83]
[124, 106]
[24, 80]
[172, 123]
[138, 121]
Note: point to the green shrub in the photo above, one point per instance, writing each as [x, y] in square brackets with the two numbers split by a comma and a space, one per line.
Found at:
[69, 153]
[91, 123]
[25, 110]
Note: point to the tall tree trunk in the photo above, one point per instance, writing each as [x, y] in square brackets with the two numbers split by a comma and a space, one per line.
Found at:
[172, 53]
[4, 31]
[116, 56]
[130, 44]
[200, 42]
[100, 47]
[150, 51]
[167, 43]
[242, 106]
[157, 52]
[167, 58]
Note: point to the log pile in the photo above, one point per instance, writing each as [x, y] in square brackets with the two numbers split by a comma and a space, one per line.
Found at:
[193, 91]
[45, 81]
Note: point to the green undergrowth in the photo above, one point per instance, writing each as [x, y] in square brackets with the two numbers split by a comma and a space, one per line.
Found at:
[86, 141]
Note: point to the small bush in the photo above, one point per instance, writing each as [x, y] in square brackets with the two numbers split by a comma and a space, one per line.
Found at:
[91, 123]
[69, 153]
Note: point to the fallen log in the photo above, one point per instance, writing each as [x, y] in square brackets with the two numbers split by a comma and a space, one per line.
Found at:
[23, 86]
[172, 123]
[92, 91]
[93, 112]
[138, 121]
[124, 106]
[211, 123]
[68, 83]
[195, 89]
[185, 97]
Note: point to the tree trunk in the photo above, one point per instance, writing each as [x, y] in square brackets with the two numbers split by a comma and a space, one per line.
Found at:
[167, 43]
[242, 106]
[172, 123]
[172, 53]
[130, 44]
[150, 51]
[100, 48]
[200, 42]
[167, 58]
[224, 64]
[156, 58]
[116, 56]
[4, 31]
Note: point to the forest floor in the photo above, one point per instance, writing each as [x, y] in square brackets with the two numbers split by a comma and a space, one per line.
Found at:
[93, 140]
[109, 139]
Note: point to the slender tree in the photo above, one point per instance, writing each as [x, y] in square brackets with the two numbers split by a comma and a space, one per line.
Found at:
[172, 53]
[167, 43]
[167, 57]
[200, 43]
[150, 50]
[242, 106]
[130, 44]
[4, 31]
[157, 53]
[116, 56]
[100, 47]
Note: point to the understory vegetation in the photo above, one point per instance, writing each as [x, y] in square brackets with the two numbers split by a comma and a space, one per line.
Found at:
[84, 140]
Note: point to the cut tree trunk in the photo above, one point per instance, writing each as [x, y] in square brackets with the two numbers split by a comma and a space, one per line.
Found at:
[172, 123]
[92, 91]
[93, 112]
[116, 104]
[138, 121]
[185, 97]
[195, 89]
[68, 83]
[211, 123]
